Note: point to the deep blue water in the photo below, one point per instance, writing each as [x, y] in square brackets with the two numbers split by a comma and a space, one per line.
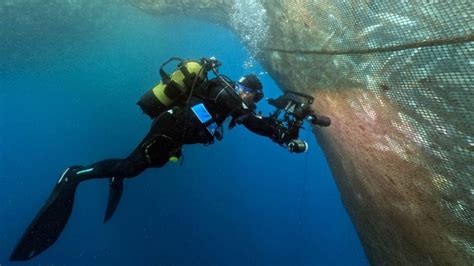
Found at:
[241, 201]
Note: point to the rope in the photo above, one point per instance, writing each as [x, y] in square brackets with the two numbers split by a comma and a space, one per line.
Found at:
[427, 43]
[303, 195]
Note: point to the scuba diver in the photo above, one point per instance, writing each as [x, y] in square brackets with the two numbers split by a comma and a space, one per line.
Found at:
[186, 108]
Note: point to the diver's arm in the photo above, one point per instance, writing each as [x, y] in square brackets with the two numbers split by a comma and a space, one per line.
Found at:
[259, 125]
[265, 126]
[262, 126]
[243, 114]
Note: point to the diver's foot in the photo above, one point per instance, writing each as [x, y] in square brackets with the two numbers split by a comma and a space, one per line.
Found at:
[70, 175]
[66, 176]
[75, 174]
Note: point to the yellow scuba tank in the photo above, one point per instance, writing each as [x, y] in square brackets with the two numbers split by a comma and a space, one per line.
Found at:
[174, 87]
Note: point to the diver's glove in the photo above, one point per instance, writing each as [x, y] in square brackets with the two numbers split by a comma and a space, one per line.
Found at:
[279, 135]
[278, 131]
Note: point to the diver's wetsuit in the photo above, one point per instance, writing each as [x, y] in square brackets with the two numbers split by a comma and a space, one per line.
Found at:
[165, 137]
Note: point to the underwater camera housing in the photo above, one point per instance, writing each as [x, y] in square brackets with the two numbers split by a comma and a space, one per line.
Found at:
[296, 107]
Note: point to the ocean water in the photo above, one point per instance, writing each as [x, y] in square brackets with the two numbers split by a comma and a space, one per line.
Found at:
[67, 96]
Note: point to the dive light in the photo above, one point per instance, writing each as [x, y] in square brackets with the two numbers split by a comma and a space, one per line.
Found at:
[297, 146]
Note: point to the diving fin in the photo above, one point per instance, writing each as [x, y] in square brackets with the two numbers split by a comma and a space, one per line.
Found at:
[115, 194]
[50, 221]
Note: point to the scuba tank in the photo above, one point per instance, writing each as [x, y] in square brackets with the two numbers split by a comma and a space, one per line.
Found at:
[178, 85]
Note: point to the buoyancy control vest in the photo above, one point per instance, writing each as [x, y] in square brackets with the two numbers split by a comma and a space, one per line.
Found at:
[174, 88]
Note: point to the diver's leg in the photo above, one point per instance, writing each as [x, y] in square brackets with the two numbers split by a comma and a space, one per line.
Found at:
[153, 151]
[48, 224]
[131, 166]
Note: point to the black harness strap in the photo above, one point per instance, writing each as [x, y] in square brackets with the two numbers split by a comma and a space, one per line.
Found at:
[165, 76]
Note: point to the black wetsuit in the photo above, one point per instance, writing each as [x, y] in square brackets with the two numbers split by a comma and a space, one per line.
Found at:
[167, 133]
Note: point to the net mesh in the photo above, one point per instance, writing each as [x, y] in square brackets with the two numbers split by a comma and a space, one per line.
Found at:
[397, 79]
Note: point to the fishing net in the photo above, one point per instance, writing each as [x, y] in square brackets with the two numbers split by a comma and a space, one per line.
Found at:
[397, 79]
